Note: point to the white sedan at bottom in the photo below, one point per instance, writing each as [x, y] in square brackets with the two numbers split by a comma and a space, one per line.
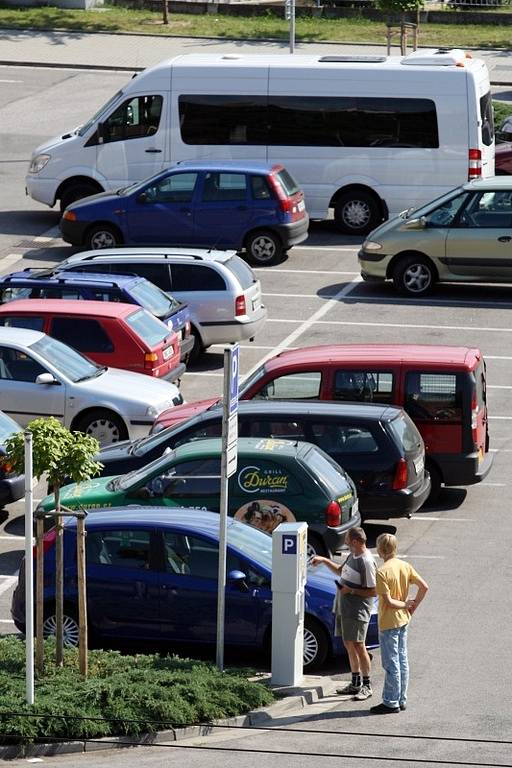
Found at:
[40, 376]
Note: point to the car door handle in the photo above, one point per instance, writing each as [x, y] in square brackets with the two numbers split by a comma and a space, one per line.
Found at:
[153, 151]
[504, 239]
[186, 211]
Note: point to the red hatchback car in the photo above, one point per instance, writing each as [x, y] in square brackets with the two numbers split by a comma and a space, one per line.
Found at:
[443, 389]
[110, 333]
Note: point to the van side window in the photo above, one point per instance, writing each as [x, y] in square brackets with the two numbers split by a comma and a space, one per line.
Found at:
[364, 386]
[133, 119]
[82, 334]
[195, 277]
[433, 397]
[294, 386]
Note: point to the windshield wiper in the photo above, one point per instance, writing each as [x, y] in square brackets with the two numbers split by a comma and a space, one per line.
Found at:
[94, 375]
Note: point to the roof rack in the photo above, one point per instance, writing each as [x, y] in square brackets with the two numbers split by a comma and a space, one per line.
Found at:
[353, 59]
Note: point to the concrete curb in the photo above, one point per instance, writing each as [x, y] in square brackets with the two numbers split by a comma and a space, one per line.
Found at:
[293, 699]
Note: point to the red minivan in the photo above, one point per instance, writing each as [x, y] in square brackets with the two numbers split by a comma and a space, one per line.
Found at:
[110, 333]
[443, 389]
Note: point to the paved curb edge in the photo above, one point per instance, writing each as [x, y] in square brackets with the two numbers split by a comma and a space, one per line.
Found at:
[294, 698]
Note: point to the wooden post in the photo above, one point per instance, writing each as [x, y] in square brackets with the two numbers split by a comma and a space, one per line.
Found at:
[82, 594]
[59, 591]
[166, 12]
[39, 595]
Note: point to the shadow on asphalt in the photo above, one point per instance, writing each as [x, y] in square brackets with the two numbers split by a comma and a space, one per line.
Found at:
[27, 223]
[449, 498]
[10, 561]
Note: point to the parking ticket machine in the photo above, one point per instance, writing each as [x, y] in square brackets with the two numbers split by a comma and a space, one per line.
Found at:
[289, 570]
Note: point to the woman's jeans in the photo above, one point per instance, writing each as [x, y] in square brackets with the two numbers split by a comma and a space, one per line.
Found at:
[393, 652]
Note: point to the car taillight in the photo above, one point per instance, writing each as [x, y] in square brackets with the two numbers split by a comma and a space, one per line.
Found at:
[150, 358]
[474, 164]
[240, 306]
[5, 466]
[401, 475]
[474, 417]
[333, 514]
[49, 539]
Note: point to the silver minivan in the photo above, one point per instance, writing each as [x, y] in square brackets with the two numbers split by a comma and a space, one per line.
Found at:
[222, 292]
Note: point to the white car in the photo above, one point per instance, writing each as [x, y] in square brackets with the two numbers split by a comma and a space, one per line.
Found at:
[40, 376]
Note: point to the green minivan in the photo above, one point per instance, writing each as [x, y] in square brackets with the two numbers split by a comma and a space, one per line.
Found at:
[275, 481]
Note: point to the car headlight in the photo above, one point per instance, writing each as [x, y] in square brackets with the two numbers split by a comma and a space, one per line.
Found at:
[371, 245]
[158, 427]
[38, 163]
[152, 411]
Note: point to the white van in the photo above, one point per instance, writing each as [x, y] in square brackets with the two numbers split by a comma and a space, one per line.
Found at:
[366, 136]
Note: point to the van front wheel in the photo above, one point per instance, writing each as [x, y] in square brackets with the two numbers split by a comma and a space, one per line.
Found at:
[264, 248]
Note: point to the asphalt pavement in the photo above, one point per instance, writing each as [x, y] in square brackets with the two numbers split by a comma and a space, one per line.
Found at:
[135, 52]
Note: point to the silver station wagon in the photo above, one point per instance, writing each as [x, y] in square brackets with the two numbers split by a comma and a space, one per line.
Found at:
[40, 376]
[222, 292]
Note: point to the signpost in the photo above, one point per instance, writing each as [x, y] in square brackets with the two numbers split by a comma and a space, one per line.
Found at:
[228, 468]
[289, 14]
[29, 568]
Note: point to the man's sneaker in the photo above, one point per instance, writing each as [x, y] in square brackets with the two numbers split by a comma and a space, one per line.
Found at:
[348, 690]
[364, 693]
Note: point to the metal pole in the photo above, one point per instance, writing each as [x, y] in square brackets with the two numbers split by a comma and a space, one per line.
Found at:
[221, 590]
[39, 595]
[29, 569]
[292, 26]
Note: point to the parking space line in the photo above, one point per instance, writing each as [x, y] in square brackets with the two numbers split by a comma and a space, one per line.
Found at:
[6, 621]
[326, 247]
[300, 295]
[391, 325]
[305, 324]
[202, 373]
[443, 519]
[490, 485]
[302, 271]
[500, 418]
[9, 582]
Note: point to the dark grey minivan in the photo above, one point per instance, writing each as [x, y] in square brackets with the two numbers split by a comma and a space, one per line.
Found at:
[378, 446]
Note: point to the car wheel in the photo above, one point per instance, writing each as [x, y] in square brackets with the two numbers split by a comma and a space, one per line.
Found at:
[102, 236]
[435, 483]
[356, 213]
[264, 248]
[104, 425]
[76, 192]
[316, 644]
[198, 349]
[71, 630]
[414, 275]
[316, 546]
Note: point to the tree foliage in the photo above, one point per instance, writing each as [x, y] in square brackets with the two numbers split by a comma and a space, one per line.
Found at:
[399, 6]
[55, 450]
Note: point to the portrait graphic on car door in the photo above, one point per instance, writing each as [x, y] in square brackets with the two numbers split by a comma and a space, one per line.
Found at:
[264, 514]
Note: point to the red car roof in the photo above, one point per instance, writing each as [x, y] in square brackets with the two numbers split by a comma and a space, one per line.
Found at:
[69, 307]
[376, 353]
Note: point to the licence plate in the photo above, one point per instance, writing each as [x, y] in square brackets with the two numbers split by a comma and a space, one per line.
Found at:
[255, 304]
[179, 334]
[302, 206]
[168, 352]
[419, 465]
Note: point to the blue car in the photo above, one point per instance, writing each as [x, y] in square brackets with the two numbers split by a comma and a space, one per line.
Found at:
[131, 289]
[12, 486]
[152, 576]
[256, 207]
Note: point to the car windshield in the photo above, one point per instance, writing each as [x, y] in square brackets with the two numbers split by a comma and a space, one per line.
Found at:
[148, 327]
[11, 293]
[7, 427]
[251, 380]
[151, 297]
[251, 542]
[84, 128]
[415, 213]
[132, 479]
[69, 363]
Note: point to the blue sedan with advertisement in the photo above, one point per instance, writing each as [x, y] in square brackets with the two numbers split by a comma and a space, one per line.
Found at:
[152, 576]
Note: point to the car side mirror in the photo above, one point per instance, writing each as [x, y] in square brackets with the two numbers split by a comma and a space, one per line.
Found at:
[142, 198]
[46, 378]
[238, 578]
[420, 223]
[102, 133]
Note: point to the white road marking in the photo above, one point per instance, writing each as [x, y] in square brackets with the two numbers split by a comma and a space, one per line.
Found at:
[202, 373]
[423, 557]
[498, 357]
[499, 386]
[500, 418]
[443, 519]
[402, 326]
[272, 271]
[10, 259]
[9, 582]
[490, 485]
[43, 239]
[11, 81]
[305, 324]
[327, 248]
[6, 621]
[500, 450]
[300, 295]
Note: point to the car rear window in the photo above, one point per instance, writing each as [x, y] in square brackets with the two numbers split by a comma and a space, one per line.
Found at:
[241, 271]
[327, 471]
[152, 298]
[23, 321]
[406, 433]
[149, 328]
[287, 182]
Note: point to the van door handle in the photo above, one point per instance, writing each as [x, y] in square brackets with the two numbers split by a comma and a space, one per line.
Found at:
[153, 151]
[504, 239]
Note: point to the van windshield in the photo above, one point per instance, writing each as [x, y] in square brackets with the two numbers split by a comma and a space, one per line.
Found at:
[95, 118]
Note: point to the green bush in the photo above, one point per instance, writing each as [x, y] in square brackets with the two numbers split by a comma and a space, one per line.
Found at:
[502, 109]
[123, 695]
